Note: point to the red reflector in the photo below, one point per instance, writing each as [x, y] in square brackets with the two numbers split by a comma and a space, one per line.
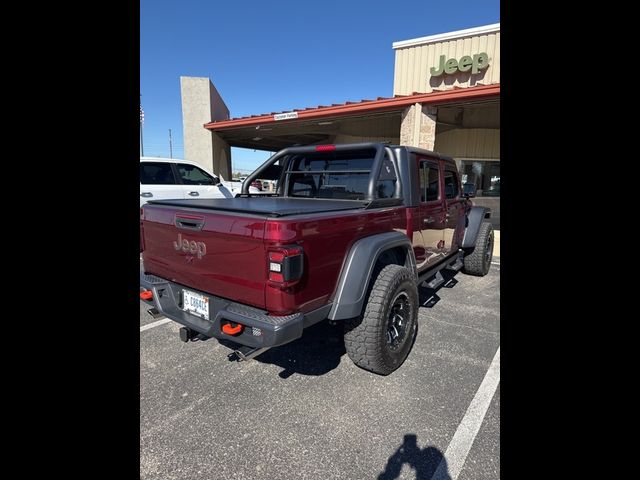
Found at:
[229, 330]
[276, 256]
[325, 148]
[292, 251]
[276, 277]
[146, 295]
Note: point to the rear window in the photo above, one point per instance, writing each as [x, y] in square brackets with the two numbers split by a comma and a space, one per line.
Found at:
[338, 175]
[156, 173]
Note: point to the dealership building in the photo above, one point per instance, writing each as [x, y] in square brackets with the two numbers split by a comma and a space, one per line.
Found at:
[446, 98]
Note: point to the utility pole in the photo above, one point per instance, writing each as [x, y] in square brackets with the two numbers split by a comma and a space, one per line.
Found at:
[141, 123]
[170, 145]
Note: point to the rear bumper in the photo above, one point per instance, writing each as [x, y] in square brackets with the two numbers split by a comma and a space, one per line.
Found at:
[274, 331]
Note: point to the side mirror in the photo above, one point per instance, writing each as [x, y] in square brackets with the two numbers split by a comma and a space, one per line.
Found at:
[469, 190]
[216, 180]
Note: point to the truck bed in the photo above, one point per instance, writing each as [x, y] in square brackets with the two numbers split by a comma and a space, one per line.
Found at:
[269, 206]
[236, 234]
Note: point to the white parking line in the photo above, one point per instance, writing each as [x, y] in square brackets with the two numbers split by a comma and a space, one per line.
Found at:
[495, 263]
[462, 440]
[155, 324]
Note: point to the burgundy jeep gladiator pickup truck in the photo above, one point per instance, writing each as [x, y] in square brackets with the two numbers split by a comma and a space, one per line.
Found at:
[350, 233]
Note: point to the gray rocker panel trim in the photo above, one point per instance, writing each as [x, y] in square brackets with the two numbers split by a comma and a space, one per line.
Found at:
[474, 219]
[357, 269]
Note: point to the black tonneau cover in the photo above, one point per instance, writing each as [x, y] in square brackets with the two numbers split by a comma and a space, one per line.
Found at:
[270, 206]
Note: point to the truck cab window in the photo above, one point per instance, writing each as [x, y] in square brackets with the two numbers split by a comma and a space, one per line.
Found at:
[334, 175]
[156, 173]
[450, 184]
[429, 182]
[192, 175]
[386, 186]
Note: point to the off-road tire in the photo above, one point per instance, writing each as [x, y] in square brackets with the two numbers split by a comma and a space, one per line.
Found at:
[478, 260]
[366, 336]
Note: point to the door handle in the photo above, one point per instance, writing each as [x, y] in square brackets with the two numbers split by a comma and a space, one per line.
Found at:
[194, 194]
[429, 220]
[146, 194]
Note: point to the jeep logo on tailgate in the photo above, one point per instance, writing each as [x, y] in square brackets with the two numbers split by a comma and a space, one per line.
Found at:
[192, 246]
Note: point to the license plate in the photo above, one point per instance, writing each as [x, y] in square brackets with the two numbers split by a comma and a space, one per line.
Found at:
[195, 303]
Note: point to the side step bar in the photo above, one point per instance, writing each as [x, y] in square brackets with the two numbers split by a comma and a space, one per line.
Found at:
[435, 282]
[432, 278]
[456, 266]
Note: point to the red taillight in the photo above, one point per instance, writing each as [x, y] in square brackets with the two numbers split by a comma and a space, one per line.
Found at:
[285, 264]
[146, 295]
[276, 277]
[325, 148]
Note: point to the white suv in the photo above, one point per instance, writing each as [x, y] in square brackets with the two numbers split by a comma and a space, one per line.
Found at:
[170, 178]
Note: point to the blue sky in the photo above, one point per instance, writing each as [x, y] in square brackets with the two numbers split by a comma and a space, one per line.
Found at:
[266, 56]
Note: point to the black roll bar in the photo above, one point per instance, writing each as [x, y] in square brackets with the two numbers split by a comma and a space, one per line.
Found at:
[375, 170]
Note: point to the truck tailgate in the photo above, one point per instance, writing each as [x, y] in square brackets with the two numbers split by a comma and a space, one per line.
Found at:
[220, 253]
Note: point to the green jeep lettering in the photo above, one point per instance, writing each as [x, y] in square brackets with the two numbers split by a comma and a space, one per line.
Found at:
[480, 61]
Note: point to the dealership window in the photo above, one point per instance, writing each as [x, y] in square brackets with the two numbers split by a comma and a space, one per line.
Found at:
[484, 174]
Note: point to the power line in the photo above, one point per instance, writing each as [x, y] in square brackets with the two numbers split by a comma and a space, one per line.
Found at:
[141, 124]
[163, 144]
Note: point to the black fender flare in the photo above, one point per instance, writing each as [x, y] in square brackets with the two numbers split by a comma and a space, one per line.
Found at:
[474, 219]
[357, 268]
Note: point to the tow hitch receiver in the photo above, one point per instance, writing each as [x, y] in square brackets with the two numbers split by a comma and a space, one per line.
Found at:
[187, 334]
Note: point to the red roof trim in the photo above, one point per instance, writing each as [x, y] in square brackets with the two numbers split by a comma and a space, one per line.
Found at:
[364, 106]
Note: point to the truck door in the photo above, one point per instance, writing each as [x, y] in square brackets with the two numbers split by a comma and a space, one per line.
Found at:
[455, 208]
[432, 211]
[157, 182]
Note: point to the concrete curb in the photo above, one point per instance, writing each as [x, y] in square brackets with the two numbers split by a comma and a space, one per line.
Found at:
[496, 243]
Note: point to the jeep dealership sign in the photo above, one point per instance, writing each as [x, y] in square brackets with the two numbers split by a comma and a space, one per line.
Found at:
[478, 62]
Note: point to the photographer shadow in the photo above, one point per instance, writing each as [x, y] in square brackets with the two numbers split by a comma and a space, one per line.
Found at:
[425, 461]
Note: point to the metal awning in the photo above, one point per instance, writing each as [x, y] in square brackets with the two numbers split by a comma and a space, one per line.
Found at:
[375, 120]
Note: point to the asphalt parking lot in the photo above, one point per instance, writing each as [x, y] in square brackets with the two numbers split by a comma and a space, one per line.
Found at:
[305, 411]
